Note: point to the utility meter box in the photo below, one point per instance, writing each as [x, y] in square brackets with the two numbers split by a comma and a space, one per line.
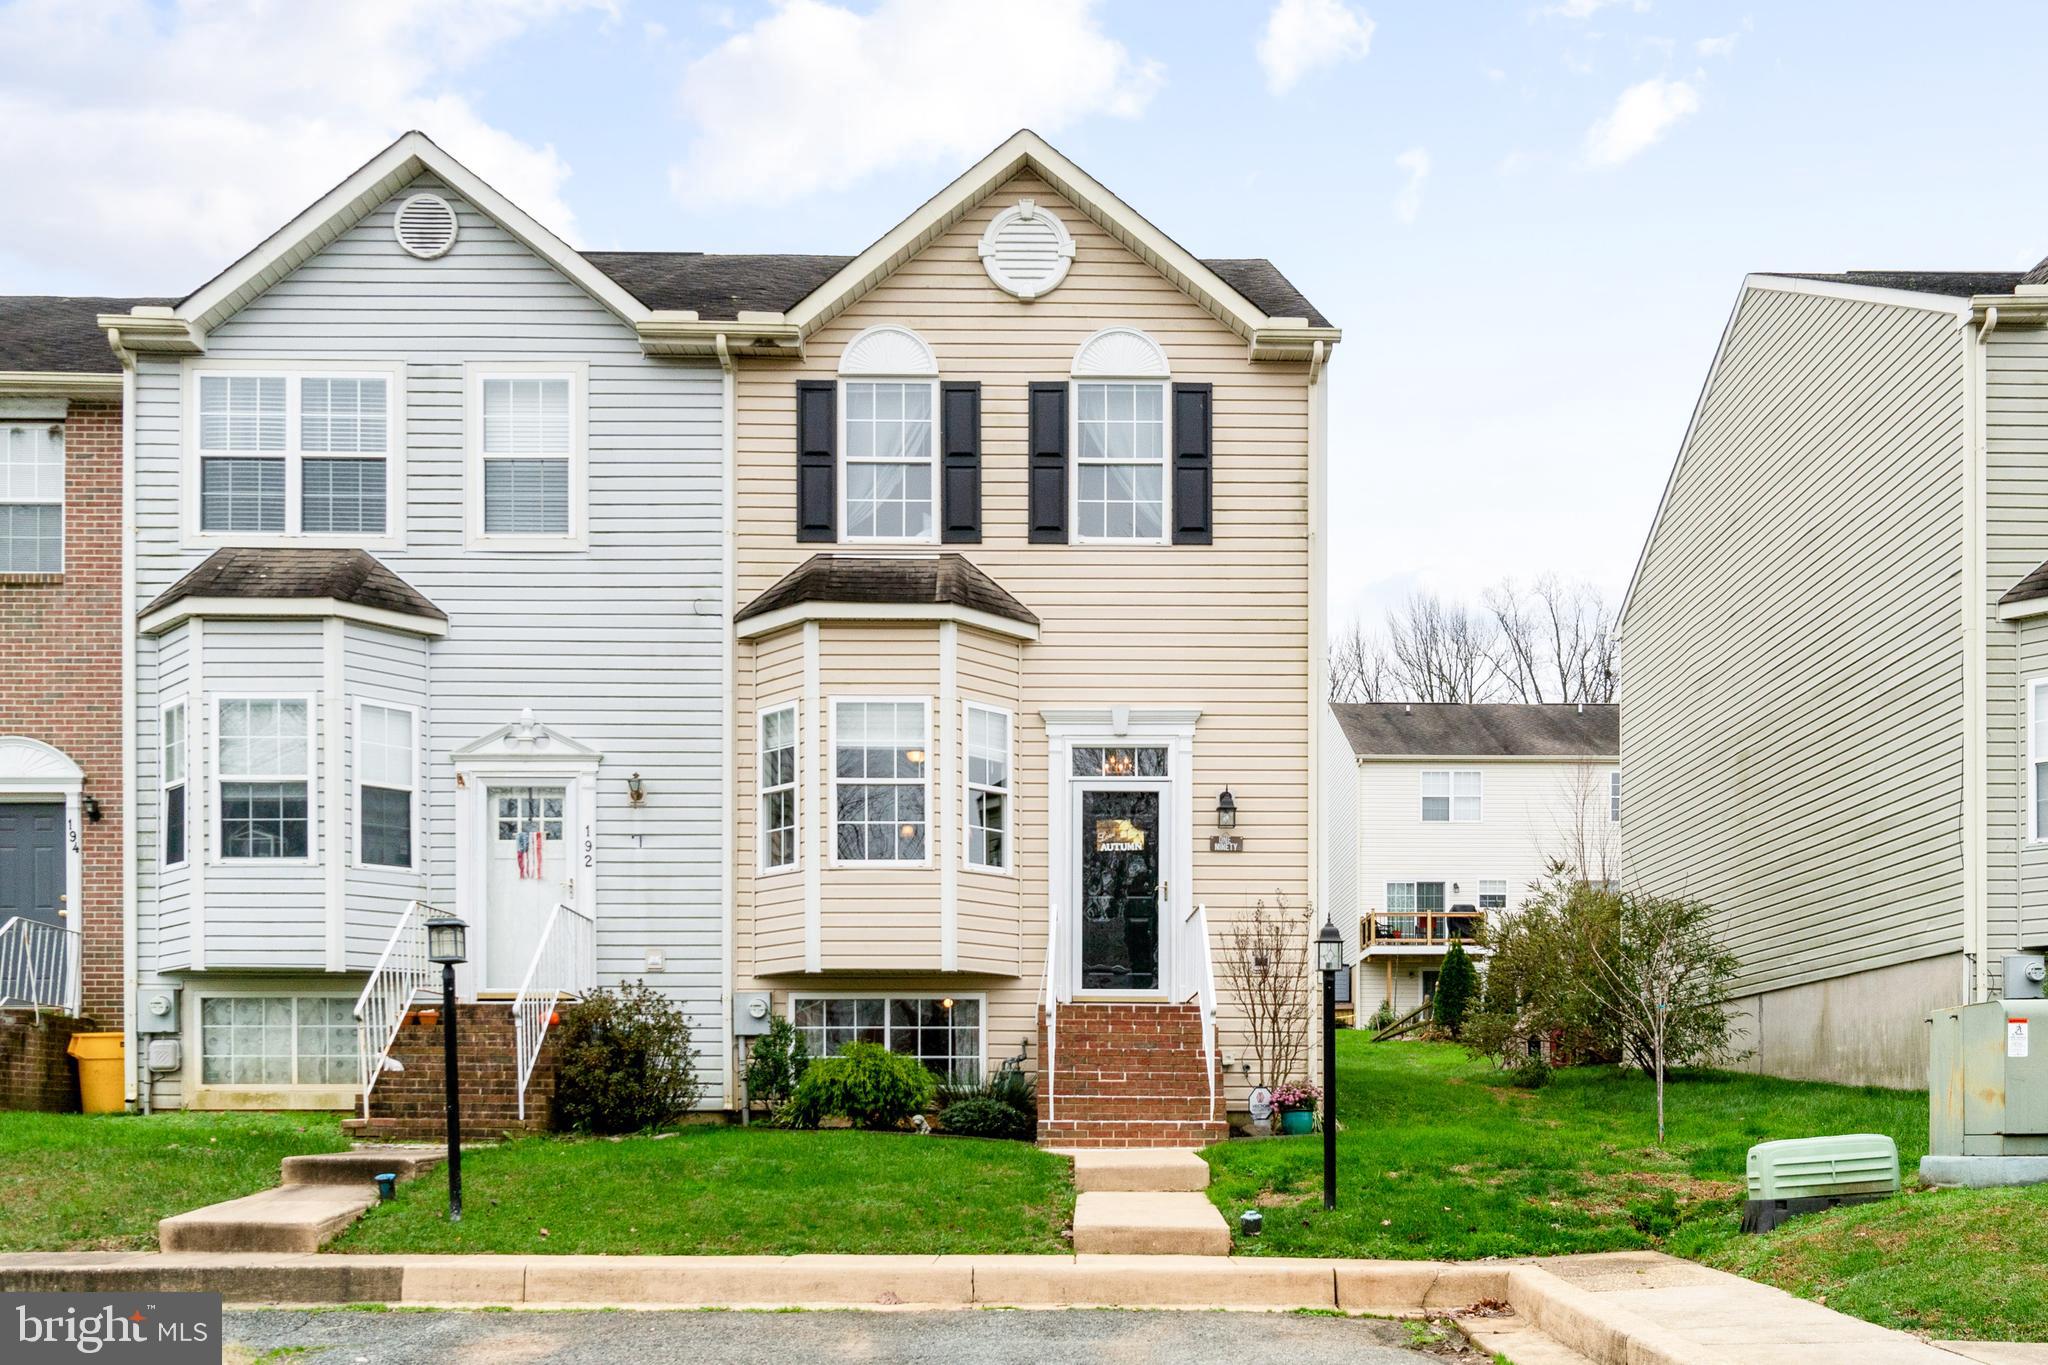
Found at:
[1803, 1175]
[1987, 1080]
[156, 1009]
[752, 1012]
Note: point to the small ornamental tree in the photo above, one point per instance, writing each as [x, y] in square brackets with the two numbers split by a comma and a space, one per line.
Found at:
[1264, 967]
[623, 1062]
[1455, 985]
[778, 1061]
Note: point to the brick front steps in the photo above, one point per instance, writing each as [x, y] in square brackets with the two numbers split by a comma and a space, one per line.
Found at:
[1128, 1075]
[409, 1105]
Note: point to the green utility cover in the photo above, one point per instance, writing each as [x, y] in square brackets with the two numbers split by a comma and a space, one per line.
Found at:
[1812, 1168]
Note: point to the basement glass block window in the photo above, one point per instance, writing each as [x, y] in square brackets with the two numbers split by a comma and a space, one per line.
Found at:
[527, 444]
[277, 1040]
[264, 760]
[32, 498]
[942, 1032]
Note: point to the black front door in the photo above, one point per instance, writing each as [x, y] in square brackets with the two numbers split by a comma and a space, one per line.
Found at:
[1119, 841]
[31, 860]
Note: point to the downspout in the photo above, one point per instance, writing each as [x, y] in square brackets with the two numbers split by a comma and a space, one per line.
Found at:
[728, 748]
[1318, 457]
[129, 964]
[1976, 934]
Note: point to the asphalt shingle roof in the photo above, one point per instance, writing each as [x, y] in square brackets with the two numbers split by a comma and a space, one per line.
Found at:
[352, 576]
[2033, 586]
[1956, 284]
[947, 579]
[1394, 729]
[59, 333]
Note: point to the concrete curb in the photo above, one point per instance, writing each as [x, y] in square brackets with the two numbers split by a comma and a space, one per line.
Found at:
[1603, 1332]
[1391, 1288]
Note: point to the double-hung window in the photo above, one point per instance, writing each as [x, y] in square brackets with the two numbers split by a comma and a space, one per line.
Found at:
[526, 456]
[387, 769]
[1614, 797]
[32, 497]
[172, 784]
[263, 757]
[891, 449]
[1493, 895]
[988, 788]
[778, 788]
[1451, 796]
[945, 1033]
[1120, 460]
[288, 454]
[878, 781]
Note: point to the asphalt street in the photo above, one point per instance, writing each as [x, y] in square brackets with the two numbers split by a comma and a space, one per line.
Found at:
[960, 1337]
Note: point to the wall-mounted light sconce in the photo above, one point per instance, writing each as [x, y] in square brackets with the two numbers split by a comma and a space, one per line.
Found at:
[1226, 810]
[636, 790]
[92, 808]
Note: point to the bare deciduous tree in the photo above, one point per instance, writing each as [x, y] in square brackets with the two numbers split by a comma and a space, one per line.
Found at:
[1586, 838]
[1444, 651]
[1554, 643]
[1360, 668]
[1264, 964]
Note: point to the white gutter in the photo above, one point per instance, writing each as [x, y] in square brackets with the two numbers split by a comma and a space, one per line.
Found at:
[1976, 667]
[1318, 468]
[129, 963]
[728, 737]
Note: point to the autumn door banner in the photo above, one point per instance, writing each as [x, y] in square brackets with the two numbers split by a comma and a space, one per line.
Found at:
[1118, 836]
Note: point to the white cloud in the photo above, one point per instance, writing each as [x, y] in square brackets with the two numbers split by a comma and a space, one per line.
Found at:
[1304, 35]
[1725, 44]
[1408, 201]
[1586, 9]
[1644, 113]
[163, 142]
[815, 96]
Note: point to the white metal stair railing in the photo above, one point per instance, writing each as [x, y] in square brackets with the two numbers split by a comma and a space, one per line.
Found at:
[564, 963]
[39, 965]
[1195, 979]
[401, 973]
[1051, 990]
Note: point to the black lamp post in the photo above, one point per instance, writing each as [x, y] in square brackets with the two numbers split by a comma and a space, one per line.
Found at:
[448, 944]
[1330, 959]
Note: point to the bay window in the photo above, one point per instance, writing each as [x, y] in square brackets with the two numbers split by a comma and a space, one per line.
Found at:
[988, 788]
[879, 775]
[778, 788]
[263, 756]
[386, 779]
[171, 779]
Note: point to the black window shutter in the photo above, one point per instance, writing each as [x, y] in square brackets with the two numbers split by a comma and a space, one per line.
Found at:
[960, 463]
[1194, 463]
[1049, 464]
[817, 460]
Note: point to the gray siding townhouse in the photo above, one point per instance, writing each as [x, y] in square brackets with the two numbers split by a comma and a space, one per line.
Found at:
[431, 600]
[1836, 658]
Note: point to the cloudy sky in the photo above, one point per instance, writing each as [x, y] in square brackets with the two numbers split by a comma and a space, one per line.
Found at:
[1531, 218]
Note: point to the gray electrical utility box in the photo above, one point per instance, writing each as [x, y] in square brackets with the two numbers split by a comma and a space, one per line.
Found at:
[752, 1013]
[1987, 1080]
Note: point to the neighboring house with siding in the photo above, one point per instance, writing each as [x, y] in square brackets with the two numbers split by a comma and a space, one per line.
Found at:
[1836, 654]
[63, 816]
[1458, 811]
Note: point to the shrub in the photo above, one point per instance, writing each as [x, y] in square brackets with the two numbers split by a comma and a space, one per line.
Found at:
[1533, 1074]
[1454, 987]
[1383, 1017]
[1007, 1086]
[984, 1116]
[777, 1062]
[623, 1062]
[866, 1084]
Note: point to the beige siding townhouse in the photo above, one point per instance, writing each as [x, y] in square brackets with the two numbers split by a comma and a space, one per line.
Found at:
[1836, 658]
[1025, 544]
[1458, 812]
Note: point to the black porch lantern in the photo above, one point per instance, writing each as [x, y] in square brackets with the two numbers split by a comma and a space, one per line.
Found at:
[1226, 810]
[447, 940]
[1329, 961]
[448, 944]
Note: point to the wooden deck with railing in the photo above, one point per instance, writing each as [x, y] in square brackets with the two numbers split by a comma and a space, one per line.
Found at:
[1424, 929]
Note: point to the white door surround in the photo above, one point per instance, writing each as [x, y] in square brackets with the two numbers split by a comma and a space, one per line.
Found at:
[522, 754]
[31, 770]
[1066, 729]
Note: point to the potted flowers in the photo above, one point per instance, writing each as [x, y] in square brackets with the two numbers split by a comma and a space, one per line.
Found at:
[1296, 1102]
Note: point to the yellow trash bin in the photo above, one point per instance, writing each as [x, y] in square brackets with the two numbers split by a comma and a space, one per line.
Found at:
[102, 1068]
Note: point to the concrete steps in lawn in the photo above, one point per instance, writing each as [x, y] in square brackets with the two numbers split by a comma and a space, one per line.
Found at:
[1138, 1169]
[1145, 1201]
[322, 1193]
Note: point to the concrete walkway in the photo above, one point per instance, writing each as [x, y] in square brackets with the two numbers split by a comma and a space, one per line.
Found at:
[321, 1195]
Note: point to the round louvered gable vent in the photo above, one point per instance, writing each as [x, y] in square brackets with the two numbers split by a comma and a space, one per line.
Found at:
[425, 226]
[1026, 250]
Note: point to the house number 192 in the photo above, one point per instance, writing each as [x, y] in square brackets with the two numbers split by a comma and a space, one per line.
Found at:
[589, 848]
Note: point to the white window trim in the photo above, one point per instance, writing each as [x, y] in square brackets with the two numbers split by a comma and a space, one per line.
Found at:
[1614, 797]
[1479, 896]
[761, 790]
[835, 781]
[393, 375]
[1451, 796]
[356, 764]
[885, 996]
[968, 787]
[63, 490]
[164, 785]
[845, 460]
[2037, 689]
[1164, 383]
[578, 375]
[217, 849]
[209, 1095]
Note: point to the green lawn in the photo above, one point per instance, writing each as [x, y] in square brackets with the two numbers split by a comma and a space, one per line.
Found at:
[1439, 1156]
[722, 1190]
[72, 1182]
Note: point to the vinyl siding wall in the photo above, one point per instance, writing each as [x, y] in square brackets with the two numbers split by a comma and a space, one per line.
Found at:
[1223, 628]
[1792, 655]
[618, 645]
[2030, 923]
